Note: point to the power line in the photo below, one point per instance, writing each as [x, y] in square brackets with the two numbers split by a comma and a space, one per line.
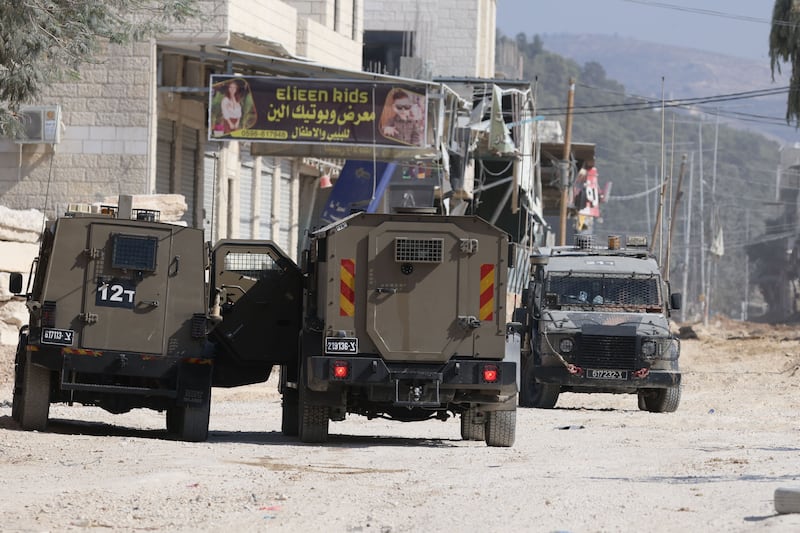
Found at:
[650, 104]
[709, 12]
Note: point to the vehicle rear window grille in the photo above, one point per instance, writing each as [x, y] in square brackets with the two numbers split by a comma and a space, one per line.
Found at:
[418, 250]
[134, 252]
[252, 265]
[605, 351]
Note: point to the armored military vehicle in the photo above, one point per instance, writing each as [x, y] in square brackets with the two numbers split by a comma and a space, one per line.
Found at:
[117, 306]
[397, 315]
[597, 320]
[404, 319]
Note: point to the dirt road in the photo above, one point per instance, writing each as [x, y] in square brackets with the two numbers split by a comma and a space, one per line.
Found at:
[594, 463]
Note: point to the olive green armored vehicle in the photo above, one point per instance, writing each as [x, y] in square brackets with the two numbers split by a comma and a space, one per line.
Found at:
[117, 318]
[404, 318]
[597, 321]
[399, 316]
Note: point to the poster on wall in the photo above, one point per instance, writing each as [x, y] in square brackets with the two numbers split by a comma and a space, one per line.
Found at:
[308, 111]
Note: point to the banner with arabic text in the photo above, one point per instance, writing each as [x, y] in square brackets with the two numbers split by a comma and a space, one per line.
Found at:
[311, 111]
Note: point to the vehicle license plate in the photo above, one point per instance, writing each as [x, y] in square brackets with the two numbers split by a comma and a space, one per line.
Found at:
[341, 345]
[592, 373]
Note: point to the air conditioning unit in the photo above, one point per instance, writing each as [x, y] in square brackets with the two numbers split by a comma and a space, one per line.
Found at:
[41, 124]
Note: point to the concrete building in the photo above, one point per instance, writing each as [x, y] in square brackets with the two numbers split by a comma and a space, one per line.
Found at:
[135, 120]
[424, 39]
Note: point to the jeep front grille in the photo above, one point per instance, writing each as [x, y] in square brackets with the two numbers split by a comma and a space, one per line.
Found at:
[603, 351]
[418, 250]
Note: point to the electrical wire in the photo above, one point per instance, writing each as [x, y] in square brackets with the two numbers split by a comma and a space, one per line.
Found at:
[711, 12]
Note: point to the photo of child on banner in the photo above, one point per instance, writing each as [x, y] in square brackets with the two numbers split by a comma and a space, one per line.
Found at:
[232, 107]
[403, 117]
[586, 199]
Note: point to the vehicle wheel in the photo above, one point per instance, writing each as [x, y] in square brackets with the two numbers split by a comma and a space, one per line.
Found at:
[190, 422]
[35, 406]
[501, 428]
[289, 414]
[471, 429]
[312, 420]
[195, 422]
[787, 500]
[534, 394]
[659, 400]
[19, 376]
[174, 420]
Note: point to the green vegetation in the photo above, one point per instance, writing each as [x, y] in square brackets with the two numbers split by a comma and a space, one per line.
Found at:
[627, 132]
[43, 42]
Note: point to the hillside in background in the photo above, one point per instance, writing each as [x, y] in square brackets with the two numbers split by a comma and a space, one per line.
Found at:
[729, 184]
[687, 73]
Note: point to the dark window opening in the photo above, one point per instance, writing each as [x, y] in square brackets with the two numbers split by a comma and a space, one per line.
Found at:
[383, 50]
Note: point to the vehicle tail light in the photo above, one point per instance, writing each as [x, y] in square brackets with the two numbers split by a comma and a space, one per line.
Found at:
[490, 373]
[49, 314]
[340, 369]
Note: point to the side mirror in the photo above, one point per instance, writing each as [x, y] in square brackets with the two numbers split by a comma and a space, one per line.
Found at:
[15, 283]
[675, 300]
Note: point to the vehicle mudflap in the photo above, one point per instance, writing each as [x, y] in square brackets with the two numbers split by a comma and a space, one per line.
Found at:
[194, 381]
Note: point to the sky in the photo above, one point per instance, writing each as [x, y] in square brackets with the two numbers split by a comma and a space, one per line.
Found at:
[734, 27]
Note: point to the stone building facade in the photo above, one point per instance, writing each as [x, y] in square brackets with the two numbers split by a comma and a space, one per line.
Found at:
[135, 120]
[431, 38]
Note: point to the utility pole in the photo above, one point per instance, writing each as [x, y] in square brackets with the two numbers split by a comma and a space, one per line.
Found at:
[687, 238]
[657, 225]
[565, 167]
[702, 232]
[746, 266]
[647, 188]
[678, 194]
[713, 263]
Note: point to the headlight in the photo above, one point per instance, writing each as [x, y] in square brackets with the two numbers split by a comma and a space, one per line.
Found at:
[649, 348]
[566, 345]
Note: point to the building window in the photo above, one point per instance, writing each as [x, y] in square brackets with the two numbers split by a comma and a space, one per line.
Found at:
[383, 50]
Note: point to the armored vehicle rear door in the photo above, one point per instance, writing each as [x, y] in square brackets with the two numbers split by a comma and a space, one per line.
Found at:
[424, 290]
[126, 288]
[262, 297]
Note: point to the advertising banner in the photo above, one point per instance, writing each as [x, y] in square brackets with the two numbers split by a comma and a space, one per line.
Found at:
[324, 112]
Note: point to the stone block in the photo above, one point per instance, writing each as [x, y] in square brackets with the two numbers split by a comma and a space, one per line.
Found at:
[17, 256]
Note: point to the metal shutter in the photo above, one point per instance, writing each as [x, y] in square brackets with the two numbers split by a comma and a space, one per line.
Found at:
[245, 201]
[189, 177]
[165, 148]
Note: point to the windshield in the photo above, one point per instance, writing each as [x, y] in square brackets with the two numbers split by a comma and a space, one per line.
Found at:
[569, 289]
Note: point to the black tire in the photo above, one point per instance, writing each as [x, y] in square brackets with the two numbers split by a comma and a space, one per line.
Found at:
[312, 420]
[174, 420]
[19, 373]
[535, 394]
[190, 422]
[539, 395]
[659, 400]
[289, 413]
[195, 421]
[470, 429]
[501, 428]
[35, 407]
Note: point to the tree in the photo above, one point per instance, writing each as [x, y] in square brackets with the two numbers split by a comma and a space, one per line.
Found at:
[784, 46]
[44, 41]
